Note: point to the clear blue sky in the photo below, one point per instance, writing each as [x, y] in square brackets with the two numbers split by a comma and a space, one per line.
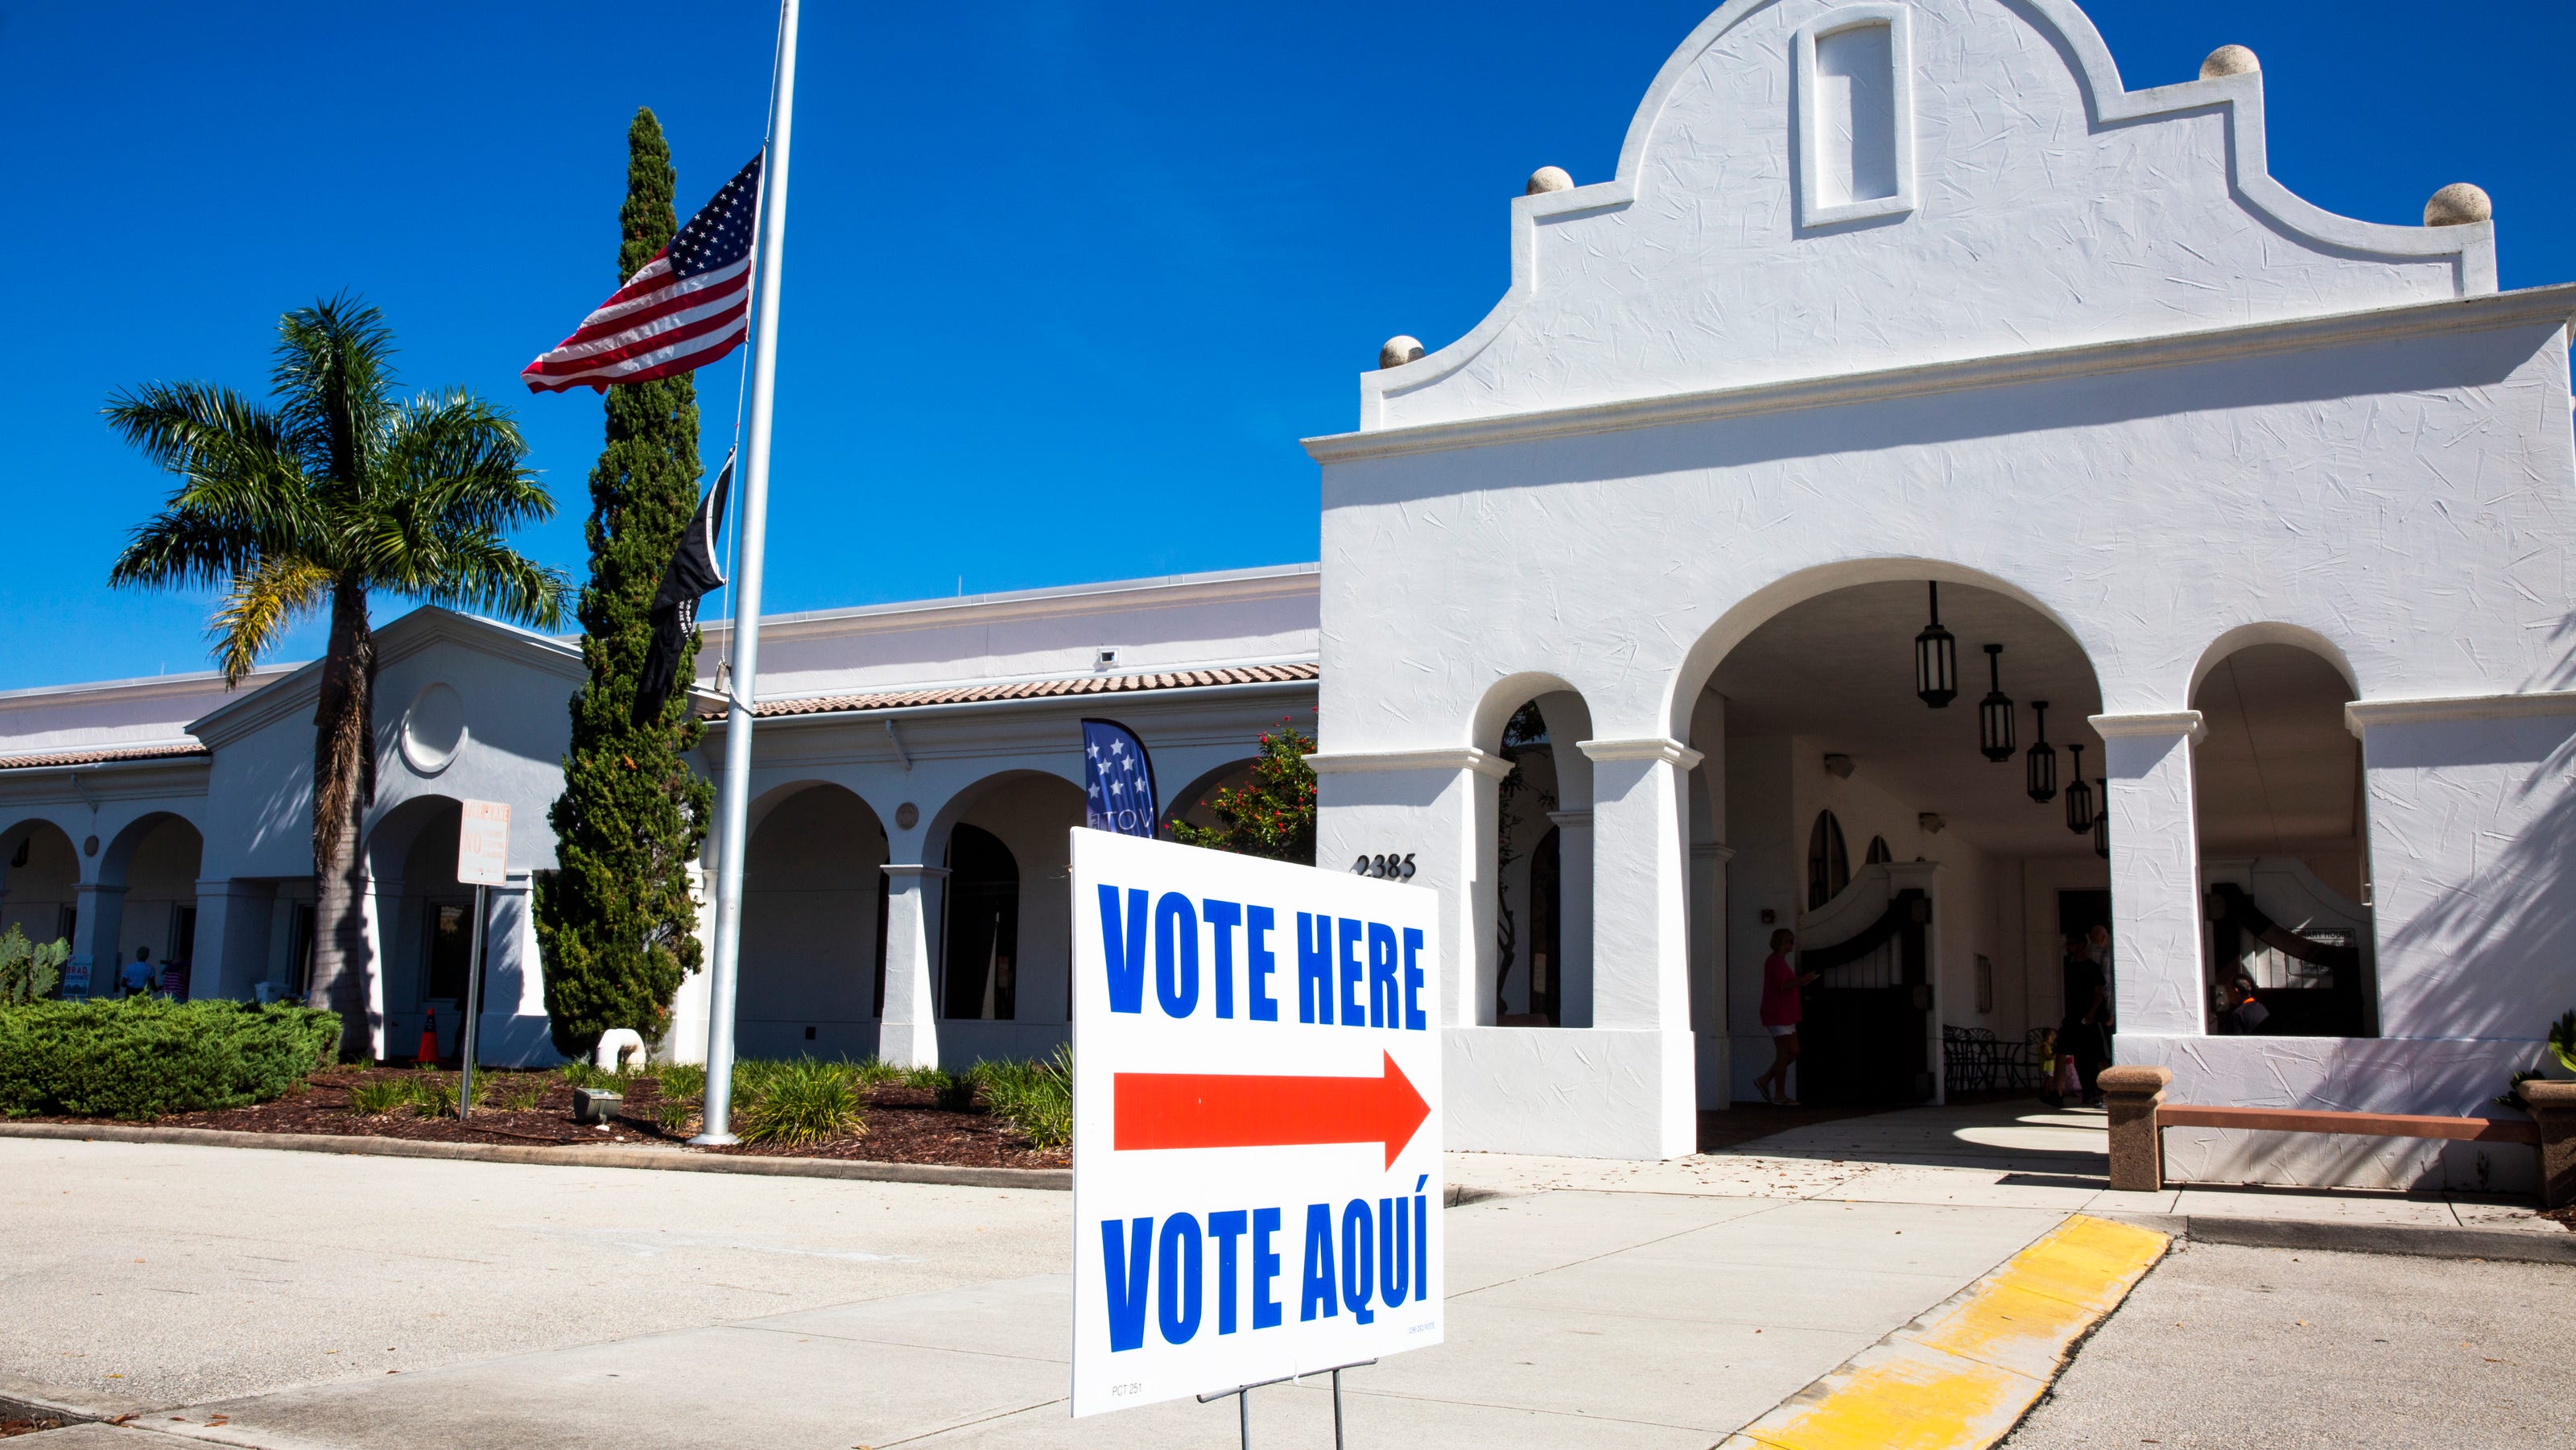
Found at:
[1040, 254]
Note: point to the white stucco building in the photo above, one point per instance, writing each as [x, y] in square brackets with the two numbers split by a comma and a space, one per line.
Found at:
[918, 768]
[1615, 638]
[2273, 506]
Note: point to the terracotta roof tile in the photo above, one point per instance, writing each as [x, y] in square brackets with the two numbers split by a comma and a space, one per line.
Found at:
[1036, 690]
[100, 757]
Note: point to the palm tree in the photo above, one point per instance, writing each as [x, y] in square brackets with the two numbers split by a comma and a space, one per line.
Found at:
[334, 489]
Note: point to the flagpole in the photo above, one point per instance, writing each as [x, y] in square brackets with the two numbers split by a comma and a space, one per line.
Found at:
[734, 794]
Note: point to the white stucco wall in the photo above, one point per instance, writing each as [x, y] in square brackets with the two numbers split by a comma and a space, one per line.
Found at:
[2103, 365]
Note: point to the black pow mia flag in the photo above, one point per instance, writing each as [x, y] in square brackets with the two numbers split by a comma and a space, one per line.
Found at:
[695, 572]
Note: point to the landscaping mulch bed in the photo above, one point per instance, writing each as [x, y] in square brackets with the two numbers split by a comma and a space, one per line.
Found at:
[904, 1125]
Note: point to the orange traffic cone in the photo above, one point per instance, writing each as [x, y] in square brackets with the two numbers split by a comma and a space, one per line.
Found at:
[429, 1040]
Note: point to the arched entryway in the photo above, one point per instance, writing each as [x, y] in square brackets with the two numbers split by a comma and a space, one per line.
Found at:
[424, 928]
[1005, 928]
[40, 883]
[1908, 825]
[813, 927]
[2281, 810]
[1536, 970]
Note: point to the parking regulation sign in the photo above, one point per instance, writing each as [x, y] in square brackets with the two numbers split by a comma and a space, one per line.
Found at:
[1256, 1121]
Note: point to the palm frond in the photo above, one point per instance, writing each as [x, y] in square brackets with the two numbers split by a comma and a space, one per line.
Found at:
[457, 460]
[475, 572]
[177, 549]
[334, 380]
[196, 429]
[261, 604]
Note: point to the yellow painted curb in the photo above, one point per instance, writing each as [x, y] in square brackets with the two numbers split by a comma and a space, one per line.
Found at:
[1962, 1376]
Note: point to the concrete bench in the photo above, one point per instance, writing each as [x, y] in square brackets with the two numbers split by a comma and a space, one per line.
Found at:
[2140, 1114]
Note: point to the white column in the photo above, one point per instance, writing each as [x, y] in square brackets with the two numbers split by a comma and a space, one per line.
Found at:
[1438, 807]
[97, 923]
[1640, 949]
[909, 1034]
[1705, 787]
[229, 957]
[1574, 851]
[2155, 876]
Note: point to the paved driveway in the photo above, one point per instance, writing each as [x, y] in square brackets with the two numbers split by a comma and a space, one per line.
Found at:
[575, 1306]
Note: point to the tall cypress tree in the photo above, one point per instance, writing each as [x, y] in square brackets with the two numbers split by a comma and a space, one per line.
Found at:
[614, 919]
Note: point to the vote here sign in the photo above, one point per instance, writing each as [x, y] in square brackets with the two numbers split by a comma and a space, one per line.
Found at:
[1256, 1121]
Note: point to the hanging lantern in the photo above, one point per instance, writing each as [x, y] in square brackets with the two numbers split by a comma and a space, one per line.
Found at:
[2102, 825]
[1995, 711]
[2079, 797]
[2042, 758]
[1936, 660]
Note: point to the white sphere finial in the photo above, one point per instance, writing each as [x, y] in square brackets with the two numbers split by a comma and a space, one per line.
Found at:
[2458, 204]
[1398, 351]
[2229, 60]
[1548, 178]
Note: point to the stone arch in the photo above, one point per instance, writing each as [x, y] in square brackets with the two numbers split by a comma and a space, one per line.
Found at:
[2297, 636]
[154, 859]
[1031, 814]
[813, 924]
[1816, 748]
[2282, 823]
[1699, 663]
[40, 870]
[419, 918]
[1190, 802]
[1534, 969]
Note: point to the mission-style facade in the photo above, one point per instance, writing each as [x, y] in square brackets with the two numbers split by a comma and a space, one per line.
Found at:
[1932, 499]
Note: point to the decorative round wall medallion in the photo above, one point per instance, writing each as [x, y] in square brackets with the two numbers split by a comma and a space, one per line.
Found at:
[89, 847]
[907, 816]
[433, 729]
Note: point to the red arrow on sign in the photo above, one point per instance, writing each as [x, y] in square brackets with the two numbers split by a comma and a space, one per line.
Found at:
[1208, 1110]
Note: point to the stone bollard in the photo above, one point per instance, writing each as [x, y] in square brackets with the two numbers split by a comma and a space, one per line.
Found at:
[2137, 1148]
[2553, 1106]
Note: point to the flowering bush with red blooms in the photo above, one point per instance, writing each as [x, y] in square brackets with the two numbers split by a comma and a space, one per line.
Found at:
[1273, 813]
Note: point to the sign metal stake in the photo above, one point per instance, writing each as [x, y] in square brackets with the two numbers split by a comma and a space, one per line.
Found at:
[482, 859]
[473, 1001]
[1243, 1400]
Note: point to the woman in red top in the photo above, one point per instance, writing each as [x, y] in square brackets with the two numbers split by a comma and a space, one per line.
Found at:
[1780, 1013]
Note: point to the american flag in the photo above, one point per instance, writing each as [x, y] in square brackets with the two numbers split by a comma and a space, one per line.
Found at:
[684, 309]
[1119, 779]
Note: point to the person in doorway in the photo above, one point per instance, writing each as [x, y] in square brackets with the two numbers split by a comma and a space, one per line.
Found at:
[2085, 1031]
[1781, 1010]
[2244, 1013]
[138, 976]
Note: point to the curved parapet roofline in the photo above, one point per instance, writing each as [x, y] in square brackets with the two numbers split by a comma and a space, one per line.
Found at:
[2108, 103]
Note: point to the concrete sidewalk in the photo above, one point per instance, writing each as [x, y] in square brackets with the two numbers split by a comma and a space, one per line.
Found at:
[1591, 1303]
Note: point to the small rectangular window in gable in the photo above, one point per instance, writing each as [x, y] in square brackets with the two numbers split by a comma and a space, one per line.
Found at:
[1854, 99]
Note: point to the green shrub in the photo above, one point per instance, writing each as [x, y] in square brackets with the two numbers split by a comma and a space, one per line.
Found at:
[675, 1115]
[804, 1101]
[29, 973]
[752, 1077]
[586, 1075]
[681, 1079]
[434, 1097]
[923, 1077]
[876, 1072]
[377, 1096]
[143, 1057]
[518, 1094]
[1034, 1097]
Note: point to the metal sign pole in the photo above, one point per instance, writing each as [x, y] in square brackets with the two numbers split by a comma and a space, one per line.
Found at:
[473, 1000]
